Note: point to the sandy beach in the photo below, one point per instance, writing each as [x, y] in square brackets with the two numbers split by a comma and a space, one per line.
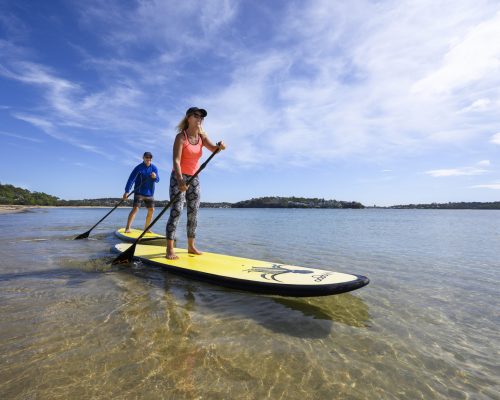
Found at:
[10, 209]
[15, 208]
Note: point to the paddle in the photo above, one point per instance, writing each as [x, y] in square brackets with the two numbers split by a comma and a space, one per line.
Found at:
[127, 256]
[86, 234]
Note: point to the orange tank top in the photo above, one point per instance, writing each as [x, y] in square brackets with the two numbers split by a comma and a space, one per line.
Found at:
[191, 154]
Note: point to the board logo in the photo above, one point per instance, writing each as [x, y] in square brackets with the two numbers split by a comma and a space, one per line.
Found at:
[270, 273]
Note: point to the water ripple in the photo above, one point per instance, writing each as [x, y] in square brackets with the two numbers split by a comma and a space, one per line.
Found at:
[426, 327]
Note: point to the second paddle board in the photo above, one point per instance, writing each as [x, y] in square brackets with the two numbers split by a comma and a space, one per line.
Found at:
[149, 238]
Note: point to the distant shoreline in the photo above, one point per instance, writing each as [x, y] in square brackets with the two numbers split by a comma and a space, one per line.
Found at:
[17, 208]
[9, 195]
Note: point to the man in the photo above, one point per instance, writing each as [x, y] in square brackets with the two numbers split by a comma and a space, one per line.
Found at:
[144, 176]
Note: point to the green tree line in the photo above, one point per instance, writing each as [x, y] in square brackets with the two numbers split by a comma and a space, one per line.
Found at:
[295, 202]
[13, 195]
[475, 205]
[10, 194]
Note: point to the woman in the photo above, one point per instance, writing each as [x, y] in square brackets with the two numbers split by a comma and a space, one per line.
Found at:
[190, 140]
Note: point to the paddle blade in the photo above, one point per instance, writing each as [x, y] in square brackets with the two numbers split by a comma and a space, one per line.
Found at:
[126, 257]
[84, 235]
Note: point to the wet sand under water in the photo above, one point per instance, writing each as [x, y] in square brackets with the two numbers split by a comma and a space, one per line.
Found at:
[75, 327]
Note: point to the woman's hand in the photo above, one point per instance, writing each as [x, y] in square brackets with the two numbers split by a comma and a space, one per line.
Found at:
[221, 145]
[182, 186]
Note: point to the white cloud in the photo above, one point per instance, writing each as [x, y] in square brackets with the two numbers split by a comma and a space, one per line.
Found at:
[474, 57]
[466, 171]
[40, 123]
[494, 186]
[58, 91]
[332, 80]
[17, 136]
[167, 24]
[69, 101]
[359, 79]
[484, 163]
[495, 139]
[462, 171]
[51, 130]
[478, 106]
[68, 110]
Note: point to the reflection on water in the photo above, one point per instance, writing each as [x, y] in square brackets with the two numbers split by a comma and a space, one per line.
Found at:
[346, 308]
[75, 327]
[305, 317]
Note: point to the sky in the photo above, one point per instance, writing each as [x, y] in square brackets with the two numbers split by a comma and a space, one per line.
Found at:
[381, 102]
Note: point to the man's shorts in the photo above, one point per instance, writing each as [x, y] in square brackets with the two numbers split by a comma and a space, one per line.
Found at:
[149, 202]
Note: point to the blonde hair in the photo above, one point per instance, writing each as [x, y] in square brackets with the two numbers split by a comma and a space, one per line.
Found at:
[183, 124]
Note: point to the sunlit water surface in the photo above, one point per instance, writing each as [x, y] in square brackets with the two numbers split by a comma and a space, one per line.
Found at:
[427, 326]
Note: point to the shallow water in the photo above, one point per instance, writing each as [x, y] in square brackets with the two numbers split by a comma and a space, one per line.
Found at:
[425, 328]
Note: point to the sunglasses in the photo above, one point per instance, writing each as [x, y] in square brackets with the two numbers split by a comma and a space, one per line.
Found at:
[198, 116]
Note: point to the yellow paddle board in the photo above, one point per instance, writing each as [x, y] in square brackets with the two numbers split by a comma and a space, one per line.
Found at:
[148, 238]
[247, 274]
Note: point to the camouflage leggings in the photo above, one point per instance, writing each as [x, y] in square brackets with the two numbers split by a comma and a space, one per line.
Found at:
[192, 196]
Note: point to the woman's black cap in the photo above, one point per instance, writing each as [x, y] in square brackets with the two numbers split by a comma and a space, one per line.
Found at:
[192, 110]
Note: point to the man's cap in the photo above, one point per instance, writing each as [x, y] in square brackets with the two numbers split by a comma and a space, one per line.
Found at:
[147, 154]
[192, 110]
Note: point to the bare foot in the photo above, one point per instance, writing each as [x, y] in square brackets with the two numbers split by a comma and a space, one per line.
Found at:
[172, 256]
[194, 250]
[127, 231]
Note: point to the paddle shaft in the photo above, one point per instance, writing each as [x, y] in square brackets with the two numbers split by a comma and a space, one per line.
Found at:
[86, 234]
[130, 251]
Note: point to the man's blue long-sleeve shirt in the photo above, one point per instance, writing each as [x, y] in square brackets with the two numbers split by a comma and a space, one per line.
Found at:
[140, 174]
